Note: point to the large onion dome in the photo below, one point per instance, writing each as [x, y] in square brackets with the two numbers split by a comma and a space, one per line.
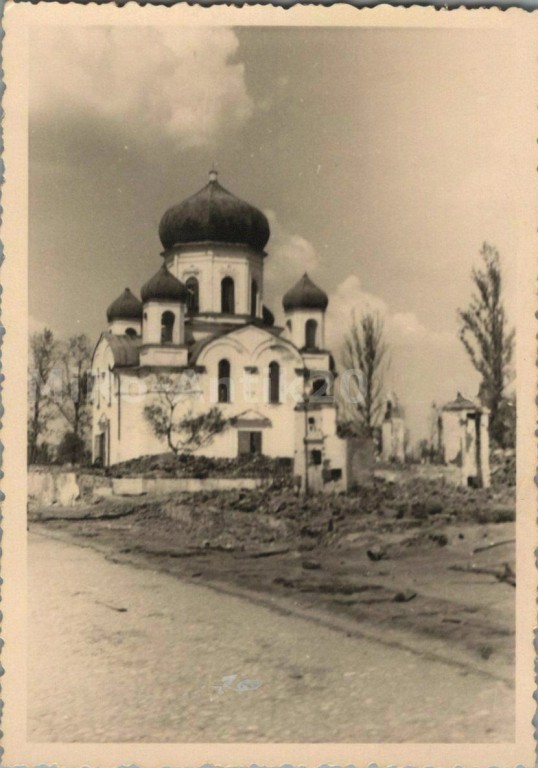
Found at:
[305, 295]
[214, 215]
[125, 307]
[164, 286]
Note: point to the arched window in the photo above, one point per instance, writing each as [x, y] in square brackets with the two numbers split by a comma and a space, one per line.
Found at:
[274, 382]
[193, 302]
[131, 332]
[254, 298]
[320, 388]
[167, 327]
[224, 384]
[310, 333]
[227, 296]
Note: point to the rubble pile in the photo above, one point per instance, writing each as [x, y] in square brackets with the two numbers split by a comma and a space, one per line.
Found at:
[185, 465]
[264, 518]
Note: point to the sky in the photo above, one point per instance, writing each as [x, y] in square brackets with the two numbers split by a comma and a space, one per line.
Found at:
[382, 158]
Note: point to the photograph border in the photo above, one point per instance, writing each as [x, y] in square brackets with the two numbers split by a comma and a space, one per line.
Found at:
[18, 18]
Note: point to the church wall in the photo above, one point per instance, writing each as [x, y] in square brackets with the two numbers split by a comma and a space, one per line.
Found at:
[256, 273]
[163, 355]
[120, 397]
[298, 319]
[196, 263]
[250, 389]
[138, 439]
[153, 311]
[210, 266]
[103, 402]
[135, 436]
[249, 358]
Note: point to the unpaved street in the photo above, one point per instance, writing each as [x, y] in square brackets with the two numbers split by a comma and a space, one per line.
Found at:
[131, 654]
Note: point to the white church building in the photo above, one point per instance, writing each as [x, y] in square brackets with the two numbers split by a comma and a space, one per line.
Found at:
[202, 322]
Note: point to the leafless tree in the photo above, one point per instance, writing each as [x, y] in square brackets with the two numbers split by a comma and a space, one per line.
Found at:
[365, 350]
[43, 351]
[485, 336]
[71, 398]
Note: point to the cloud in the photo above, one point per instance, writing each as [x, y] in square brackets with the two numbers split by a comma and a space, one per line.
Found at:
[349, 298]
[184, 82]
[401, 328]
[290, 256]
[425, 365]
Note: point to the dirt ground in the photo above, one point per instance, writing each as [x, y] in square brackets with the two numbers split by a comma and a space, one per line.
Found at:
[420, 565]
[129, 653]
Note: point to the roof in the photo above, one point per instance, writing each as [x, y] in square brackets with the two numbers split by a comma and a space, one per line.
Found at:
[125, 307]
[198, 346]
[250, 419]
[163, 285]
[214, 215]
[267, 316]
[305, 295]
[460, 404]
[125, 349]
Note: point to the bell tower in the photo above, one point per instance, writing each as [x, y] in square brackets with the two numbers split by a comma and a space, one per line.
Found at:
[304, 307]
[164, 300]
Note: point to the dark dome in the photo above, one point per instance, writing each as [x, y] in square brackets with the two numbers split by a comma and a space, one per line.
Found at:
[125, 307]
[163, 285]
[460, 404]
[214, 215]
[305, 295]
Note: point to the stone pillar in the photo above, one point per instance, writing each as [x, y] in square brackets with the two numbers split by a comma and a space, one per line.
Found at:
[393, 439]
[484, 448]
[386, 440]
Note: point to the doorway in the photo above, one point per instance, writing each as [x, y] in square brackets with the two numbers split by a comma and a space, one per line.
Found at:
[249, 443]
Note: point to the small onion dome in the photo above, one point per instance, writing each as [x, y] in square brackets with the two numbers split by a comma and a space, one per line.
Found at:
[163, 285]
[267, 316]
[125, 307]
[461, 403]
[214, 215]
[305, 295]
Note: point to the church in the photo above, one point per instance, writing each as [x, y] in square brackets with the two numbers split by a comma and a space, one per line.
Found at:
[202, 325]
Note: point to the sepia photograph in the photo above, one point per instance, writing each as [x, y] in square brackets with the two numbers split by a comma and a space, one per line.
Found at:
[274, 381]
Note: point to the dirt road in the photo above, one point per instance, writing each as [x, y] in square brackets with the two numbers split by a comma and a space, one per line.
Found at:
[131, 654]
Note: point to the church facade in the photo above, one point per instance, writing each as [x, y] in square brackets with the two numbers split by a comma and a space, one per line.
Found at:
[201, 327]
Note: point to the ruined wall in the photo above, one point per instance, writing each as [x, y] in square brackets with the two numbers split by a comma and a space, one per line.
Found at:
[361, 460]
[393, 439]
[48, 487]
[137, 486]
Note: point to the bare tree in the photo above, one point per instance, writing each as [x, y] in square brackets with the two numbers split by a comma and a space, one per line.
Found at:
[71, 398]
[485, 336]
[184, 432]
[43, 351]
[364, 350]
[72, 402]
